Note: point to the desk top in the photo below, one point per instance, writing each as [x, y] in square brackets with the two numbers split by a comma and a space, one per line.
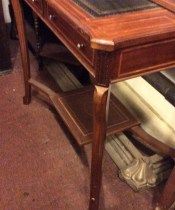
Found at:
[146, 23]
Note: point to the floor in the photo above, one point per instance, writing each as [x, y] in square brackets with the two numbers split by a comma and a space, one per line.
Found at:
[41, 167]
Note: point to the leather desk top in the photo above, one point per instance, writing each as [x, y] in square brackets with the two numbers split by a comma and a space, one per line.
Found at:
[119, 30]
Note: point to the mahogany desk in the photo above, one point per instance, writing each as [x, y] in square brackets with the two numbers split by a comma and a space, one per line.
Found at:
[115, 40]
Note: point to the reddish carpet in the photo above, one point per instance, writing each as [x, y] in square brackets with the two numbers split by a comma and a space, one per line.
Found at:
[41, 167]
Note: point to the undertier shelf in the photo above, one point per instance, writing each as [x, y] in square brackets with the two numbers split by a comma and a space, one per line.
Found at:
[76, 109]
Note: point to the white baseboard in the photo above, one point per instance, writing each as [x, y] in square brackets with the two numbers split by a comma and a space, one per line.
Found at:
[156, 114]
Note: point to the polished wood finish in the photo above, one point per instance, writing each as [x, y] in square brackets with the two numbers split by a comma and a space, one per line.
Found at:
[38, 37]
[144, 32]
[78, 117]
[100, 117]
[168, 4]
[37, 34]
[151, 142]
[24, 49]
[37, 4]
[111, 48]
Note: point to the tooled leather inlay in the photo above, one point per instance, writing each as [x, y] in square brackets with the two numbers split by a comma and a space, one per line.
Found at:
[100, 8]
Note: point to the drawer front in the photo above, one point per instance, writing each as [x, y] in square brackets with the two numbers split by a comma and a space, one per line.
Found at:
[76, 41]
[36, 4]
[145, 59]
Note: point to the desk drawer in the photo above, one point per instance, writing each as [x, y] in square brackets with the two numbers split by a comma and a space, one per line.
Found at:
[77, 41]
[36, 4]
[144, 59]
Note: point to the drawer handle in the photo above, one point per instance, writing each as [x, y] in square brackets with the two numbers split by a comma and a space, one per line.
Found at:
[51, 17]
[34, 1]
[80, 46]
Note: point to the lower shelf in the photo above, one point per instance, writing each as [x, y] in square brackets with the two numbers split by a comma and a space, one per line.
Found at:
[76, 110]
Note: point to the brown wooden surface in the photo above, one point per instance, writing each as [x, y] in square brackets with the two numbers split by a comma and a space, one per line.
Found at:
[24, 48]
[127, 35]
[111, 48]
[113, 28]
[100, 117]
[151, 142]
[168, 4]
[78, 116]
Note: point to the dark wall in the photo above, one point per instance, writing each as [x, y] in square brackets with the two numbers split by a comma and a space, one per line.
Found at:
[5, 62]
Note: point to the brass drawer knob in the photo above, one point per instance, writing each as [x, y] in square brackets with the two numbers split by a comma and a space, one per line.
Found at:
[51, 17]
[80, 46]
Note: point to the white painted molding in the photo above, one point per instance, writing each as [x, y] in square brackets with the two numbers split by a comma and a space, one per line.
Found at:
[5, 4]
[170, 74]
[156, 114]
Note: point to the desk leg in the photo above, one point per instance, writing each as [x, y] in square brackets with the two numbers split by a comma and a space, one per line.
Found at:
[24, 48]
[168, 196]
[38, 40]
[101, 101]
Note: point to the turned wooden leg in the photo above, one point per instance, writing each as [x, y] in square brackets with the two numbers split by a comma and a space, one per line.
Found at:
[24, 48]
[168, 196]
[38, 40]
[101, 101]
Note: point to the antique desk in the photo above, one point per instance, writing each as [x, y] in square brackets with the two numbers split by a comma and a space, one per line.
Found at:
[114, 40]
